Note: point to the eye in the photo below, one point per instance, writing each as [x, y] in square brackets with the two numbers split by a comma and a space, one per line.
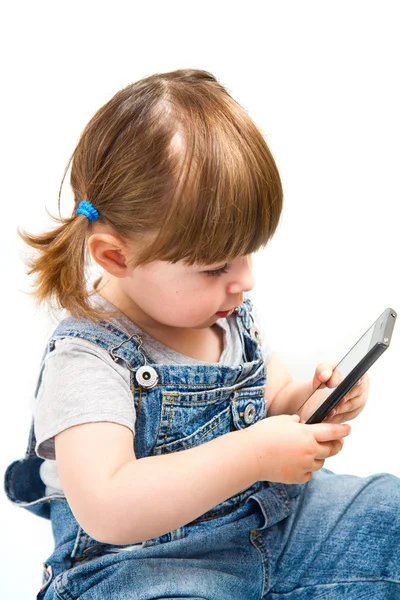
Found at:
[218, 272]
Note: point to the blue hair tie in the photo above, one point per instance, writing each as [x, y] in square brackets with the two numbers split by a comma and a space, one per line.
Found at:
[87, 209]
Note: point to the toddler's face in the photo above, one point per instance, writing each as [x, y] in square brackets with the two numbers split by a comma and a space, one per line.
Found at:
[178, 295]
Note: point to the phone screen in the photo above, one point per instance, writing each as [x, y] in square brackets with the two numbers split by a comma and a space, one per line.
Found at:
[342, 370]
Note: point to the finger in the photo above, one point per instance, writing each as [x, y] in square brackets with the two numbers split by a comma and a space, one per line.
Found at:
[329, 376]
[348, 400]
[328, 449]
[364, 380]
[360, 386]
[339, 407]
[329, 417]
[335, 379]
[344, 417]
[326, 432]
[323, 373]
[351, 404]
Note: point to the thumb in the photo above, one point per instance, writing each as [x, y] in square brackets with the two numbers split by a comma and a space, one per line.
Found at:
[322, 374]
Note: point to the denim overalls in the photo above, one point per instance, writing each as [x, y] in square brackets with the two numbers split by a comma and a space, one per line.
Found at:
[297, 541]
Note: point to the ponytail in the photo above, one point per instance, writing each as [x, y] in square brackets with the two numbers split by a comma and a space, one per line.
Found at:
[60, 266]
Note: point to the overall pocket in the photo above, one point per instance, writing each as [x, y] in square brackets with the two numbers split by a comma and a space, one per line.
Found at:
[189, 419]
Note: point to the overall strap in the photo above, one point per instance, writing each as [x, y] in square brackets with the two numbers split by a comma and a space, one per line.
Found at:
[108, 336]
[246, 312]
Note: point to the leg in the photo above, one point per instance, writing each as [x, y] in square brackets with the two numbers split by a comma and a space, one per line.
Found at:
[342, 540]
[213, 561]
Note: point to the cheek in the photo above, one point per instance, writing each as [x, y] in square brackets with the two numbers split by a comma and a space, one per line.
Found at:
[175, 298]
[182, 305]
[186, 300]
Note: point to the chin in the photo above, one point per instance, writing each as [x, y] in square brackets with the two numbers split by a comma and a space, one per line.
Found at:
[187, 320]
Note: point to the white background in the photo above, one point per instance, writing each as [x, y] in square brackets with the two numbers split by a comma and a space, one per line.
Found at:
[321, 79]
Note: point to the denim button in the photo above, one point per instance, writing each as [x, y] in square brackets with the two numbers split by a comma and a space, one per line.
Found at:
[255, 334]
[249, 413]
[146, 376]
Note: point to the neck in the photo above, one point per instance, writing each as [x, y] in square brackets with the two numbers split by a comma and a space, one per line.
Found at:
[202, 343]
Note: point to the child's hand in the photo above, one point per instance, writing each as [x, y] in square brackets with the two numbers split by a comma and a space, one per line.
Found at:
[353, 402]
[289, 452]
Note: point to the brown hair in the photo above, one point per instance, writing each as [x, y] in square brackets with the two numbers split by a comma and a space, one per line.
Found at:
[172, 155]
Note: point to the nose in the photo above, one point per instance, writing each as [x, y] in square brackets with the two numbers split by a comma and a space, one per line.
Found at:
[243, 279]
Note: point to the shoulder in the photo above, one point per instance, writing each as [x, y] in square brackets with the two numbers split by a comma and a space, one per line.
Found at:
[72, 362]
[70, 347]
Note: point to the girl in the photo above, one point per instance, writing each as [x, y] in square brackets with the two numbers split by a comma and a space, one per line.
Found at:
[149, 449]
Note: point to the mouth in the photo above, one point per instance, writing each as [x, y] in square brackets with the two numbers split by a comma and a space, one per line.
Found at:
[224, 313]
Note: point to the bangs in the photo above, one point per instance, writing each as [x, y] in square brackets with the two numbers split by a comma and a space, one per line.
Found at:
[226, 195]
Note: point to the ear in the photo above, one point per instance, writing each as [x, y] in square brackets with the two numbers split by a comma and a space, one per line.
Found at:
[109, 252]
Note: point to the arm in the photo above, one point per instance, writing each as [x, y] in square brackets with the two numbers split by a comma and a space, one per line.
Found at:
[283, 395]
[121, 500]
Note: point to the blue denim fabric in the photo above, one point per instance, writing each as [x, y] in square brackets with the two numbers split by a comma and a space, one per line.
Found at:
[336, 537]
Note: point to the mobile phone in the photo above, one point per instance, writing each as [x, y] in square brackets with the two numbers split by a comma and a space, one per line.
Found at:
[350, 369]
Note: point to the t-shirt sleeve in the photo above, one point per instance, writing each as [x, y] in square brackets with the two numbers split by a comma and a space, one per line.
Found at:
[80, 384]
